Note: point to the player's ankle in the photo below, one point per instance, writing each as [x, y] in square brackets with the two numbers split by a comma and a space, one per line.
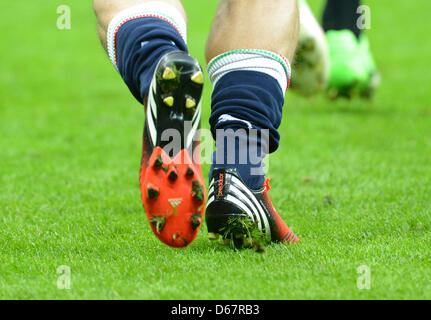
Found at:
[249, 88]
[243, 149]
[139, 37]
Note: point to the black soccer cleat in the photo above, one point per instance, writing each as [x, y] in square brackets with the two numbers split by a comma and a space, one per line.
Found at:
[229, 199]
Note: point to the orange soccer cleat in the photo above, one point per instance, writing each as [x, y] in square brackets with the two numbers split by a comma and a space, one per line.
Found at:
[172, 186]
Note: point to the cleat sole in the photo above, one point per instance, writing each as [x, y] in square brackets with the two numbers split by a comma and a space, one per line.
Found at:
[174, 211]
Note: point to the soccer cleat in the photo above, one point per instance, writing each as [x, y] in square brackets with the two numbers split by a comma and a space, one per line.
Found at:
[310, 70]
[353, 70]
[172, 186]
[347, 70]
[230, 200]
[372, 81]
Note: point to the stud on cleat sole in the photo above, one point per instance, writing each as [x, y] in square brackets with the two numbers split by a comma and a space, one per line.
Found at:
[198, 78]
[196, 219]
[190, 103]
[158, 163]
[169, 101]
[197, 191]
[213, 236]
[168, 74]
[173, 174]
[190, 172]
[159, 222]
[152, 191]
[196, 224]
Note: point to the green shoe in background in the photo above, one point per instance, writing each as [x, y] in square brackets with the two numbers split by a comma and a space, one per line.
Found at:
[372, 82]
[347, 72]
[353, 71]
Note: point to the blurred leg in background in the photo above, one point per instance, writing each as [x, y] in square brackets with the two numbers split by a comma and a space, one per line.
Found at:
[341, 15]
[311, 64]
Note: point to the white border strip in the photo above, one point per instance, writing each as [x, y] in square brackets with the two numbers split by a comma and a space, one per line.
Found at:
[273, 64]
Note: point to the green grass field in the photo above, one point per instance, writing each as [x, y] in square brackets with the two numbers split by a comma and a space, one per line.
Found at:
[352, 178]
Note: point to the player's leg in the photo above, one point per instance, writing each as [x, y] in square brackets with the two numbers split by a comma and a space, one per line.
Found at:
[146, 42]
[341, 15]
[115, 17]
[311, 63]
[249, 48]
[106, 10]
[240, 24]
[353, 69]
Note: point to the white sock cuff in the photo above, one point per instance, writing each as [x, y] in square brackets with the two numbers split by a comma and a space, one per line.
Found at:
[159, 10]
[273, 64]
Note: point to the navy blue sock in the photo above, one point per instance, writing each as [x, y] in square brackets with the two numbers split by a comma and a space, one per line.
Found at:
[243, 149]
[245, 102]
[341, 14]
[140, 44]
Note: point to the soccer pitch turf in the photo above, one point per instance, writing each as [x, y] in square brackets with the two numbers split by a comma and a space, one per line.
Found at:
[351, 178]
